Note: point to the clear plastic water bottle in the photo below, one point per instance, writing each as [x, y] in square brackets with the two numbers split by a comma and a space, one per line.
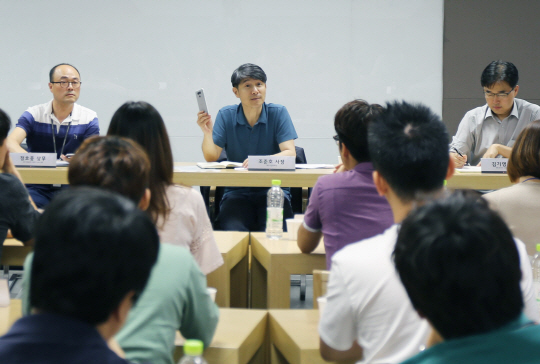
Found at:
[536, 274]
[274, 211]
[193, 350]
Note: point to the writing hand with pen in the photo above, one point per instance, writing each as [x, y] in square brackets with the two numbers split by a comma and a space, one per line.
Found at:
[460, 160]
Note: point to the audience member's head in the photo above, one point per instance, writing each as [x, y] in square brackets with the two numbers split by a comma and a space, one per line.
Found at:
[5, 124]
[525, 157]
[113, 163]
[408, 146]
[499, 71]
[460, 266]
[247, 71]
[94, 251]
[141, 122]
[351, 124]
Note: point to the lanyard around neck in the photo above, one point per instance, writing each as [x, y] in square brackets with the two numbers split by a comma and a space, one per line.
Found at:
[54, 138]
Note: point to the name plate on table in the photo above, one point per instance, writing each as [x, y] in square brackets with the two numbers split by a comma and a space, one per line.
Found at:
[271, 163]
[494, 165]
[34, 159]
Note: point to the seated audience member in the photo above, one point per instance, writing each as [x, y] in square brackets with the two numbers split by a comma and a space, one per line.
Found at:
[461, 269]
[58, 126]
[175, 297]
[251, 128]
[17, 211]
[178, 211]
[345, 207]
[519, 205]
[490, 130]
[94, 251]
[368, 316]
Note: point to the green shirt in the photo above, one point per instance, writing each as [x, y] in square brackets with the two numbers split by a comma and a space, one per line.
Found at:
[516, 343]
[175, 298]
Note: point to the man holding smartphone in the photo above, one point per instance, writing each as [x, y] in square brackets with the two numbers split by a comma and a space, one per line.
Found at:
[58, 126]
[250, 128]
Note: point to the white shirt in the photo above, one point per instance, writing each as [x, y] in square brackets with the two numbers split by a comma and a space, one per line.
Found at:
[367, 302]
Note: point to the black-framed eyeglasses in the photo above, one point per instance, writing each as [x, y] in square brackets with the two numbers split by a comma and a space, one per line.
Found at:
[336, 139]
[64, 84]
[501, 95]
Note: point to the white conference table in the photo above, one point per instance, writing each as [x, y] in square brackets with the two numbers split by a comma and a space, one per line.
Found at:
[189, 174]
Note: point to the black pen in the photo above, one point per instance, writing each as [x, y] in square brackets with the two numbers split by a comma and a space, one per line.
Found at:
[461, 155]
[457, 151]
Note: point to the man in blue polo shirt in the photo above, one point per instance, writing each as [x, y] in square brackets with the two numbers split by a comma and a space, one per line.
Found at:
[58, 126]
[250, 128]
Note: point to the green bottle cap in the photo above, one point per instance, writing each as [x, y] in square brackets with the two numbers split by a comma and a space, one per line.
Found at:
[276, 182]
[538, 247]
[193, 347]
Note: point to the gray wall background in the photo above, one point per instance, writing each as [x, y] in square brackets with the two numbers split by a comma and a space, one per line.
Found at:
[480, 31]
[318, 55]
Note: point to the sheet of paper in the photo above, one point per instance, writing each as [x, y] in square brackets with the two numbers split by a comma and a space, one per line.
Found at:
[315, 166]
[190, 169]
[469, 169]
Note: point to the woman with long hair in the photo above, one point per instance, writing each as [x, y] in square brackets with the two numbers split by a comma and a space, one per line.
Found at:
[178, 211]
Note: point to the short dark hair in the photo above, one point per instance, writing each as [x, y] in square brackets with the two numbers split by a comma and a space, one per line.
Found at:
[5, 125]
[408, 145]
[498, 71]
[351, 124]
[525, 157]
[141, 122]
[460, 266]
[92, 247]
[245, 71]
[51, 72]
[115, 164]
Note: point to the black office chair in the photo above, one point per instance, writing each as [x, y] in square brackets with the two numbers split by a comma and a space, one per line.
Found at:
[300, 195]
[212, 195]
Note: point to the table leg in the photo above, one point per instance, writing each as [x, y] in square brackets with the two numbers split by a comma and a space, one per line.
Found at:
[239, 284]
[279, 287]
[221, 280]
[258, 285]
[276, 357]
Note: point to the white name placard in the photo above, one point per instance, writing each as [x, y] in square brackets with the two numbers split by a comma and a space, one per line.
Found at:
[34, 159]
[494, 165]
[271, 163]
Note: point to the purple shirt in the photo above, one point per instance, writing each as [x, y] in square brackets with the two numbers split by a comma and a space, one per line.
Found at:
[347, 208]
